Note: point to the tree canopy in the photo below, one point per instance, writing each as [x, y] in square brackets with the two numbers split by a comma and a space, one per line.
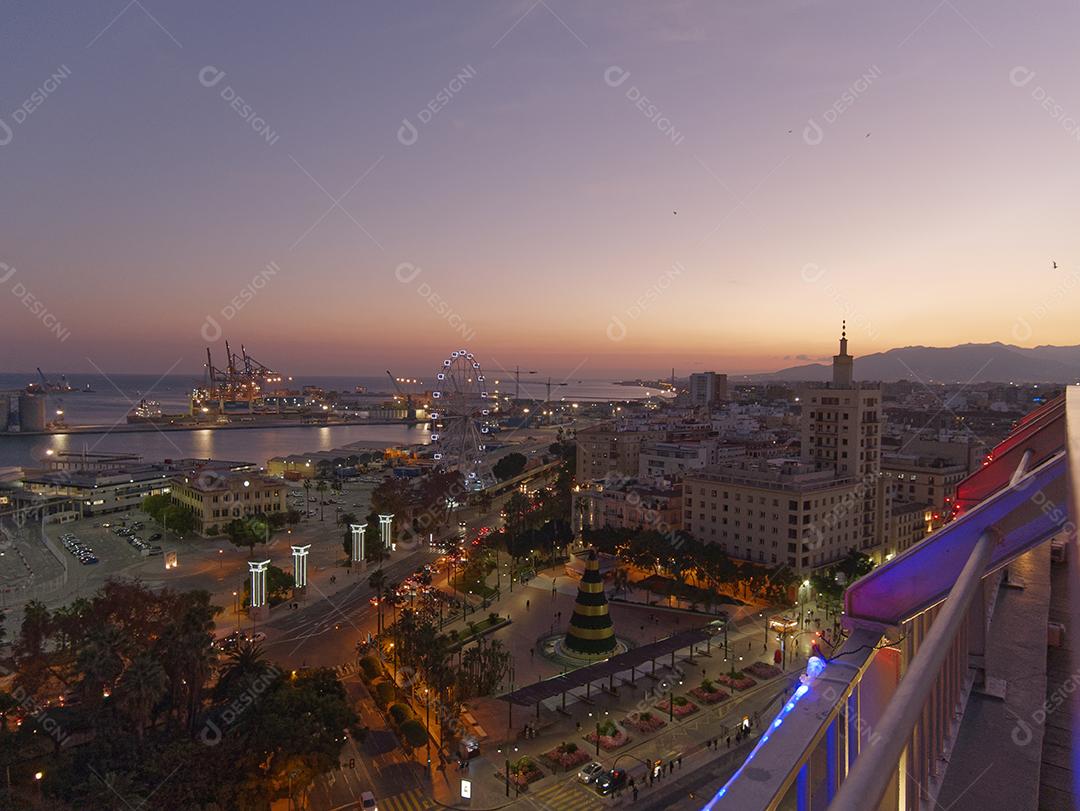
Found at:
[123, 696]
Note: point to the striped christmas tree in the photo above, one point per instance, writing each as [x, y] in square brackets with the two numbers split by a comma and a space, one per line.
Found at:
[591, 633]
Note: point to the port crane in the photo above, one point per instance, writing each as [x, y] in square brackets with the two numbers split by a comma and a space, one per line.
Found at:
[410, 406]
[242, 379]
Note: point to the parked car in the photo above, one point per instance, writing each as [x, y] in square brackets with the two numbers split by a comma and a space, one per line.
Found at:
[610, 782]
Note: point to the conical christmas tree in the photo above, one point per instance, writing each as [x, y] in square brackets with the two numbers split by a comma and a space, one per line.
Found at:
[591, 633]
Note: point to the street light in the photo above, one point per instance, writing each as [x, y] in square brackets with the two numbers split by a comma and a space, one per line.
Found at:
[427, 723]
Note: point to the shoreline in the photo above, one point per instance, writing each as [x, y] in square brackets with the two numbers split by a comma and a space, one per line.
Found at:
[136, 428]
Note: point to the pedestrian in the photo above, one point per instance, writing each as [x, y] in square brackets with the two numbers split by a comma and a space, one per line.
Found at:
[635, 793]
[526, 605]
[728, 741]
[680, 761]
[532, 652]
[652, 778]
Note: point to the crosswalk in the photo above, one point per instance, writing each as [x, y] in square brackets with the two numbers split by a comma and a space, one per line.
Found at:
[412, 800]
[569, 795]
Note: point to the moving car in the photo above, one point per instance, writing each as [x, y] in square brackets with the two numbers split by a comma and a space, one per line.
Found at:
[367, 801]
[589, 772]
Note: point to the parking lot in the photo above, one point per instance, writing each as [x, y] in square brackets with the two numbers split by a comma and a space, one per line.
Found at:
[114, 541]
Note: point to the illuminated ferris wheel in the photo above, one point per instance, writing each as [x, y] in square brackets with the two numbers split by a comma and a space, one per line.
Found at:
[462, 419]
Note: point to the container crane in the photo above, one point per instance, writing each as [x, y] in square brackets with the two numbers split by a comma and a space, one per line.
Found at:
[410, 406]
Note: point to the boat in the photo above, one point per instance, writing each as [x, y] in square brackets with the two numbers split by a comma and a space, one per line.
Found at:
[145, 411]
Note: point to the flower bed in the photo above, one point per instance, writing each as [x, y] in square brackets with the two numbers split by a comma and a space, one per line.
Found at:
[644, 722]
[740, 681]
[565, 756]
[524, 771]
[763, 670]
[611, 737]
[683, 706]
[710, 693]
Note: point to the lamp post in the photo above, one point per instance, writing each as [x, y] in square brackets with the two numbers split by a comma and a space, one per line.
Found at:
[236, 608]
[427, 723]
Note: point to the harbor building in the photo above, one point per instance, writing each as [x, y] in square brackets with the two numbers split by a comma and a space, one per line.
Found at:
[216, 497]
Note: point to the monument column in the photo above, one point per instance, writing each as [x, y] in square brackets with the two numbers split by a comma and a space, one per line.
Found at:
[359, 550]
[299, 557]
[259, 607]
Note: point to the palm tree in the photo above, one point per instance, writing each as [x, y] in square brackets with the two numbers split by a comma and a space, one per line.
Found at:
[307, 496]
[142, 686]
[100, 662]
[244, 662]
[622, 581]
[321, 487]
[376, 583]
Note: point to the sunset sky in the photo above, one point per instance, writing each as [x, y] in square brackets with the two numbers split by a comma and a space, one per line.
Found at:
[912, 167]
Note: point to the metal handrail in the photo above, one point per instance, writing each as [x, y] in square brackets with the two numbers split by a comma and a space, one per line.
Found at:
[876, 765]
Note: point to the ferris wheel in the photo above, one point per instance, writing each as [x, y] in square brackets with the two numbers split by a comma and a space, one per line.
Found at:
[461, 419]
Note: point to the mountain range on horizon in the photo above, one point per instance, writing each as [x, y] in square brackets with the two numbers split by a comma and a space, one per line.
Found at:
[965, 363]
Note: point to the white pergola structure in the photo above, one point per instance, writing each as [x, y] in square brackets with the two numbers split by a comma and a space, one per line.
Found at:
[359, 551]
[386, 531]
[299, 557]
[258, 582]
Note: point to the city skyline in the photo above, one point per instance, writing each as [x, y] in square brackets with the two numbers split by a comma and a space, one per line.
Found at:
[586, 192]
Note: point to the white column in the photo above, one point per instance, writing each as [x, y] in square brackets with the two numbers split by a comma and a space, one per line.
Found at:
[299, 558]
[258, 582]
[385, 527]
[359, 552]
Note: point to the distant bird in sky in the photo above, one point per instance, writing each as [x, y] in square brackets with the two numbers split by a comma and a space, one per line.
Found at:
[867, 135]
[674, 212]
[1054, 265]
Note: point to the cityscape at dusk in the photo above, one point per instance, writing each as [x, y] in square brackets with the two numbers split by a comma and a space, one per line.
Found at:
[539, 405]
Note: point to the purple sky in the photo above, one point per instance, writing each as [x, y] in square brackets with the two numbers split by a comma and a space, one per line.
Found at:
[530, 216]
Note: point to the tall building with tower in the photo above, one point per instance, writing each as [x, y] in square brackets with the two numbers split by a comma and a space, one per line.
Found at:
[807, 511]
